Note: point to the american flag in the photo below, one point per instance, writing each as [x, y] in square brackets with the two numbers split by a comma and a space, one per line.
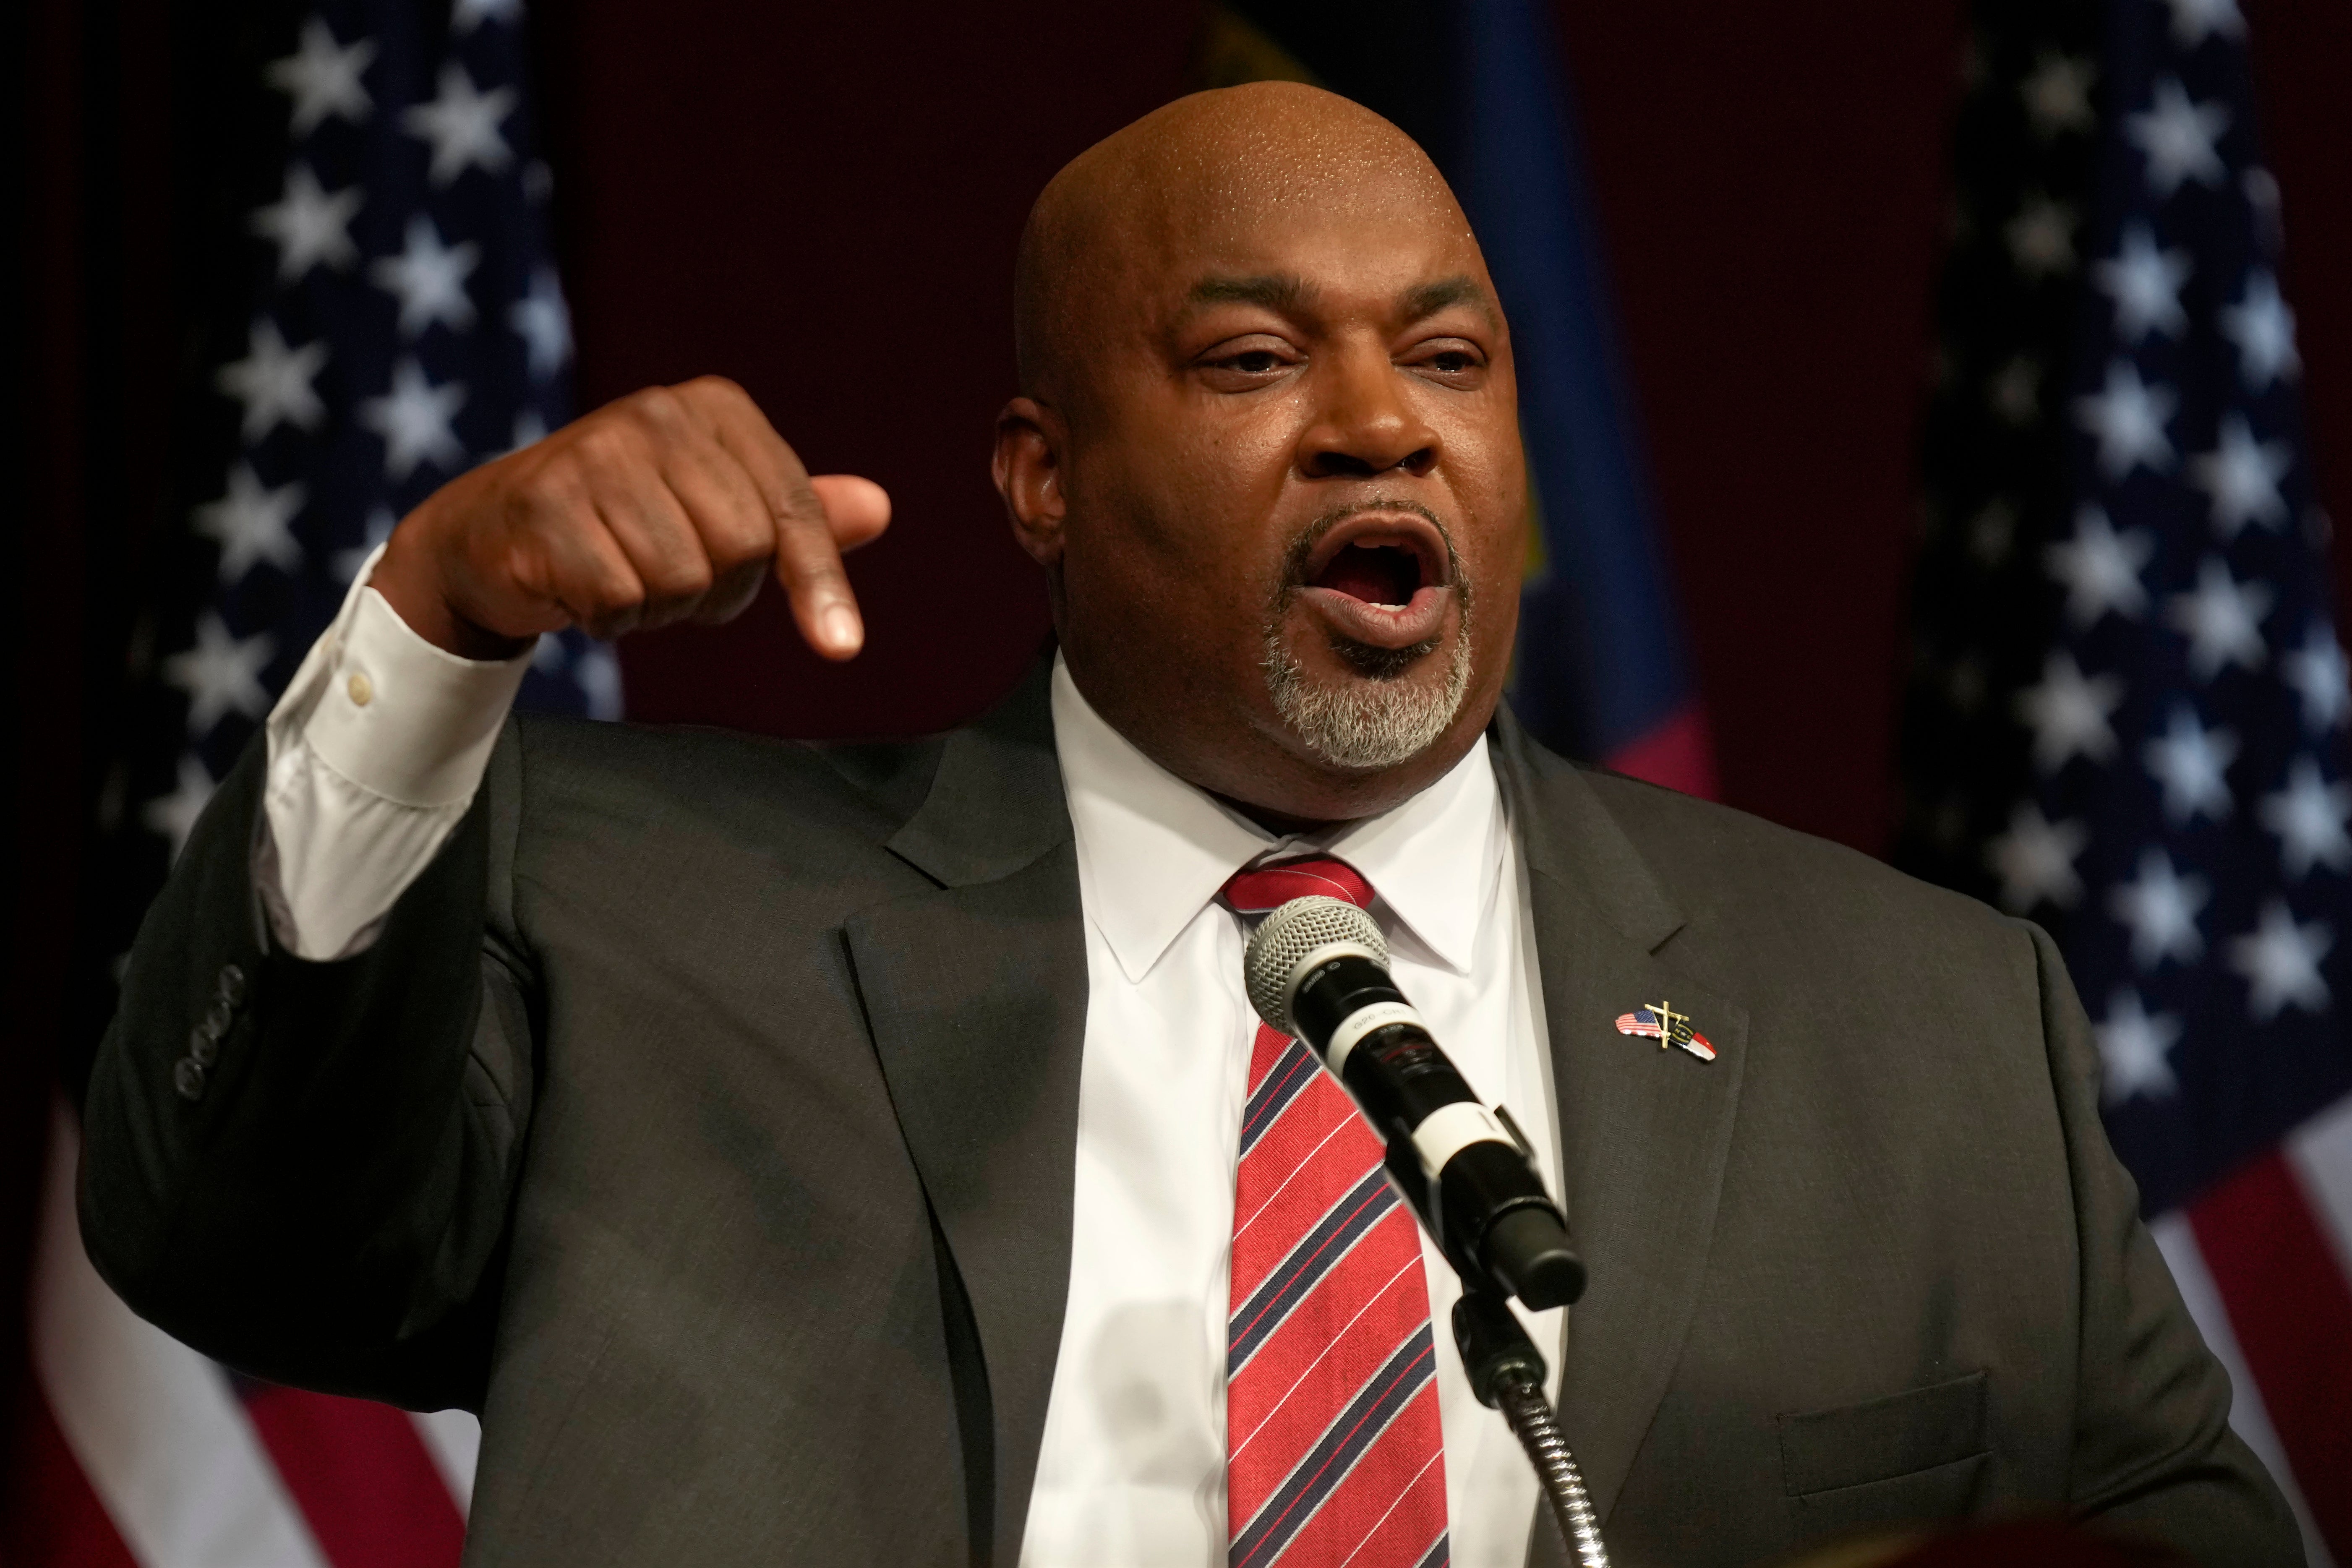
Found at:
[2127, 715]
[385, 314]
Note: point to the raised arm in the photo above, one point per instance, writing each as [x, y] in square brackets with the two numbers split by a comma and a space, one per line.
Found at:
[304, 1126]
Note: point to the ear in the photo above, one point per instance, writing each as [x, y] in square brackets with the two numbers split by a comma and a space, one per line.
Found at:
[1028, 469]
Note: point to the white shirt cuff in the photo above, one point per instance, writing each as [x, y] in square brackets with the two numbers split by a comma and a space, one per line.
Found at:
[404, 719]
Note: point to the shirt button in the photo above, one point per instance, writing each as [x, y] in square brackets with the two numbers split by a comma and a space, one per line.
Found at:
[188, 1077]
[232, 984]
[362, 689]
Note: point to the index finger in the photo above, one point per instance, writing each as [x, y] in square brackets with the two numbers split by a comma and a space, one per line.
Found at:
[807, 556]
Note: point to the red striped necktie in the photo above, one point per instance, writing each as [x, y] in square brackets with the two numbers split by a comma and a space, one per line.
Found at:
[1333, 1452]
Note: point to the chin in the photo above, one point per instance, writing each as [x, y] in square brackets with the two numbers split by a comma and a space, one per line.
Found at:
[1379, 708]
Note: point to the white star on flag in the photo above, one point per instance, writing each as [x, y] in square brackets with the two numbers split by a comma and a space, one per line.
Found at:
[2222, 619]
[462, 125]
[429, 279]
[467, 15]
[323, 78]
[2042, 237]
[2101, 568]
[2192, 764]
[2145, 283]
[2058, 95]
[413, 420]
[2316, 671]
[273, 381]
[2128, 417]
[221, 675]
[2194, 20]
[2280, 962]
[2035, 860]
[2263, 328]
[2308, 816]
[2135, 1049]
[2161, 907]
[310, 225]
[175, 815]
[2178, 137]
[543, 324]
[599, 675]
[252, 524]
[2242, 475]
[2068, 713]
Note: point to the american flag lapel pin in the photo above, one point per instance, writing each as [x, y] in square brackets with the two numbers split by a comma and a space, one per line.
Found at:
[1658, 1021]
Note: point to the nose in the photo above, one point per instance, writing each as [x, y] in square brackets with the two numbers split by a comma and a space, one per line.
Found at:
[1366, 422]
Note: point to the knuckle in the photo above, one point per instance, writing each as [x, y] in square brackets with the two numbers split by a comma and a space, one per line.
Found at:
[715, 386]
[659, 407]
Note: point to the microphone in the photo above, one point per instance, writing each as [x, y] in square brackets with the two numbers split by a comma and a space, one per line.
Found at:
[1318, 970]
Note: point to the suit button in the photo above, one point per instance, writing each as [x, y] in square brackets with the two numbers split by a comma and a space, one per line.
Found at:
[232, 984]
[216, 1022]
[188, 1077]
[204, 1049]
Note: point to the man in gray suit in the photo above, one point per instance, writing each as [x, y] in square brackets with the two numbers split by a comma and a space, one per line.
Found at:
[867, 1154]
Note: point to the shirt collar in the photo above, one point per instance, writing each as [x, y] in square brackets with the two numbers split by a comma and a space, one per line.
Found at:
[1154, 850]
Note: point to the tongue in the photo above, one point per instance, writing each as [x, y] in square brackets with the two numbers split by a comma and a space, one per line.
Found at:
[1376, 576]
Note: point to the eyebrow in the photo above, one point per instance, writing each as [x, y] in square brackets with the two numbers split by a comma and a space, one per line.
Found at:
[1426, 300]
[1287, 292]
[1275, 290]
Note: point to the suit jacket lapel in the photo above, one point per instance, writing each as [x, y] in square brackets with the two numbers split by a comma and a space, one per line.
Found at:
[1644, 1132]
[977, 996]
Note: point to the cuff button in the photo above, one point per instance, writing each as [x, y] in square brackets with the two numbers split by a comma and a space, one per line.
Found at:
[188, 1077]
[204, 1049]
[232, 984]
[362, 689]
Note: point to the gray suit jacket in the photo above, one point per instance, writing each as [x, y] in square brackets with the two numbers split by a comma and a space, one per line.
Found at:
[705, 1118]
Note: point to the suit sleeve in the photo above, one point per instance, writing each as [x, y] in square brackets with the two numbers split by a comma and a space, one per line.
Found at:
[304, 1169]
[2153, 1453]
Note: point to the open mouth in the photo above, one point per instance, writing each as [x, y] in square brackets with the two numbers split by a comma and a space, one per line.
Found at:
[1377, 573]
[1381, 579]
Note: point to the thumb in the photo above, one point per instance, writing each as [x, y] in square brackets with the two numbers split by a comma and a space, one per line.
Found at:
[857, 509]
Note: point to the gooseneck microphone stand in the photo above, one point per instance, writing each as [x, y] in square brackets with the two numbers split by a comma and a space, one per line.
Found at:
[1507, 1373]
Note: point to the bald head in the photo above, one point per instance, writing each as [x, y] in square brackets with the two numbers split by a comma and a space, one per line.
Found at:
[1202, 173]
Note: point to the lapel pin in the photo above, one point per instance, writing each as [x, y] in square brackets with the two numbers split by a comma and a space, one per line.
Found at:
[1658, 1021]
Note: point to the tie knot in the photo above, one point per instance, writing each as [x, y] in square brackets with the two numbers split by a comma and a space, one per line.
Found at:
[1259, 889]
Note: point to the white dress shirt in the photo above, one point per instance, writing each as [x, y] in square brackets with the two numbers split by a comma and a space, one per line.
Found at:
[381, 741]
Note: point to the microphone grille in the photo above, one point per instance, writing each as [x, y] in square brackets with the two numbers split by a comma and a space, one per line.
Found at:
[1289, 934]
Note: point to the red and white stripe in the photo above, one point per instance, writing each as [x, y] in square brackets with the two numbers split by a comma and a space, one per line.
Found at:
[137, 1452]
[2264, 1261]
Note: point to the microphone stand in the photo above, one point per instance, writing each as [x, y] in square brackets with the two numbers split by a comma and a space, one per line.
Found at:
[1507, 1373]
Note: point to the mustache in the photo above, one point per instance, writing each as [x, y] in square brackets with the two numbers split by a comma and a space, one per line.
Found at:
[1302, 545]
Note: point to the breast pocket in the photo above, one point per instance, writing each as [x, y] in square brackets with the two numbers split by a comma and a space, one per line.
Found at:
[1910, 1456]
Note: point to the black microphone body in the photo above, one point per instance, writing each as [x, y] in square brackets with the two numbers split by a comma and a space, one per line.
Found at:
[1322, 975]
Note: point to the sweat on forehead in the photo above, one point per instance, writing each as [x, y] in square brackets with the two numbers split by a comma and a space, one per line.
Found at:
[1211, 162]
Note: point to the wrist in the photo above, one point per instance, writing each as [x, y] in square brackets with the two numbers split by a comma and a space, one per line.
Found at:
[409, 578]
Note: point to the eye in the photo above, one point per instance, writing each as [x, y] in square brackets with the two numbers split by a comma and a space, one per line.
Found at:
[1244, 364]
[1453, 361]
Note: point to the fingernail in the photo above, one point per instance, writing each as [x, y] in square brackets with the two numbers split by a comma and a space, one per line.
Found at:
[841, 628]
